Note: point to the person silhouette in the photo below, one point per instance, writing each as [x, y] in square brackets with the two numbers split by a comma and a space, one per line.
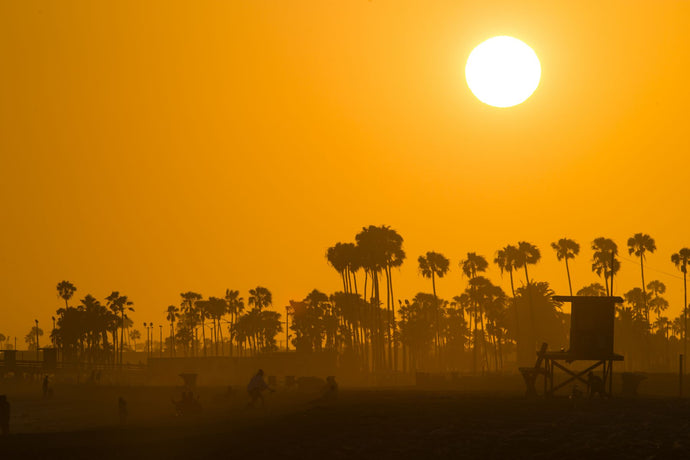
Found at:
[595, 385]
[122, 410]
[256, 387]
[4, 416]
[331, 389]
[46, 387]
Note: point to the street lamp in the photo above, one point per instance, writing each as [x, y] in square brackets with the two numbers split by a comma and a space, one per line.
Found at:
[37, 344]
[161, 339]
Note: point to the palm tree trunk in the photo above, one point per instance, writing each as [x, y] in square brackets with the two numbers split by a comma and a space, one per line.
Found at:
[685, 315]
[122, 331]
[395, 324]
[388, 318]
[644, 289]
[567, 270]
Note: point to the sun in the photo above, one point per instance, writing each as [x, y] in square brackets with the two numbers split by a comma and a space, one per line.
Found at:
[503, 71]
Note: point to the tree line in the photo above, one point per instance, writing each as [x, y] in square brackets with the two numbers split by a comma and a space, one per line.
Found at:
[482, 328]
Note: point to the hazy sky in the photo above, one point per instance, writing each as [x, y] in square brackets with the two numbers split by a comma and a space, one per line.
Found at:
[160, 147]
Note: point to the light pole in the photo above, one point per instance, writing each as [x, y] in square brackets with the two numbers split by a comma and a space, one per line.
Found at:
[37, 344]
[146, 348]
[161, 338]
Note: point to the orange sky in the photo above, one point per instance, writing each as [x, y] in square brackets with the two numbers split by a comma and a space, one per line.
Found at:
[159, 147]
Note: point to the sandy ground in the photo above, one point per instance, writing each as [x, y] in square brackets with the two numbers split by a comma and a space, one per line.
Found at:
[80, 422]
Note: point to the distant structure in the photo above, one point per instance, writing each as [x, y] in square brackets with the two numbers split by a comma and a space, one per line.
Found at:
[591, 339]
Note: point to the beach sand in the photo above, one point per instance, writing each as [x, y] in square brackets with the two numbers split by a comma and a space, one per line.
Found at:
[80, 422]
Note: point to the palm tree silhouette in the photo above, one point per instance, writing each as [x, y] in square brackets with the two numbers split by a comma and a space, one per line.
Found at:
[118, 304]
[66, 290]
[434, 265]
[470, 267]
[527, 254]
[639, 244]
[680, 260]
[135, 335]
[337, 257]
[216, 308]
[260, 298]
[235, 307]
[171, 315]
[657, 304]
[594, 289]
[566, 249]
[188, 307]
[604, 260]
[506, 260]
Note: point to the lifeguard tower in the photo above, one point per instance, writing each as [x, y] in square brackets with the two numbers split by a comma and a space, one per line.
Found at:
[591, 339]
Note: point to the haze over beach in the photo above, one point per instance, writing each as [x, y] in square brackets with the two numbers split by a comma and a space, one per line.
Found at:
[163, 147]
[346, 229]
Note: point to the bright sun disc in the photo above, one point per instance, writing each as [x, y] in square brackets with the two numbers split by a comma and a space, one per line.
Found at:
[503, 71]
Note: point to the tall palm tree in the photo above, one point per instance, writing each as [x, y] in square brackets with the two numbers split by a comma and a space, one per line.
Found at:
[374, 248]
[171, 315]
[216, 308]
[235, 307]
[394, 256]
[657, 303]
[639, 244]
[260, 298]
[527, 254]
[566, 249]
[506, 261]
[604, 261]
[188, 307]
[118, 304]
[135, 335]
[470, 267]
[337, 257]
[680, 260]
[66, 290]
[434, 265]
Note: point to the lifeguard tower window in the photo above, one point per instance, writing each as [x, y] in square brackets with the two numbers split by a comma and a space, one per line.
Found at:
[591, 326]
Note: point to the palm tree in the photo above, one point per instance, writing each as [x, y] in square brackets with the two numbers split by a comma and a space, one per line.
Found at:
[118, 304]
[260, 298]
[135, 335]
[394, 256]
[639, 244]
[566, 249]
[374, 248]
[216, 308]
[506, 261]
[470, 267]
[594, 289]
[171, 315]
[604, 260]
[66, 290]
[680, 260]
[657, 303]
[527, 254]
[337, 257]
[235, 307]
[188, 307]
[434, 265]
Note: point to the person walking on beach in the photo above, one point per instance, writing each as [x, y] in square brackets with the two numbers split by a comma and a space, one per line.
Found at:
[256, 387]
[4, 416]
[595, 385]
[46, 387]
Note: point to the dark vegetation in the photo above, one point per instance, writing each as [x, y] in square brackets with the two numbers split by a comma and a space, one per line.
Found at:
[481, 329]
